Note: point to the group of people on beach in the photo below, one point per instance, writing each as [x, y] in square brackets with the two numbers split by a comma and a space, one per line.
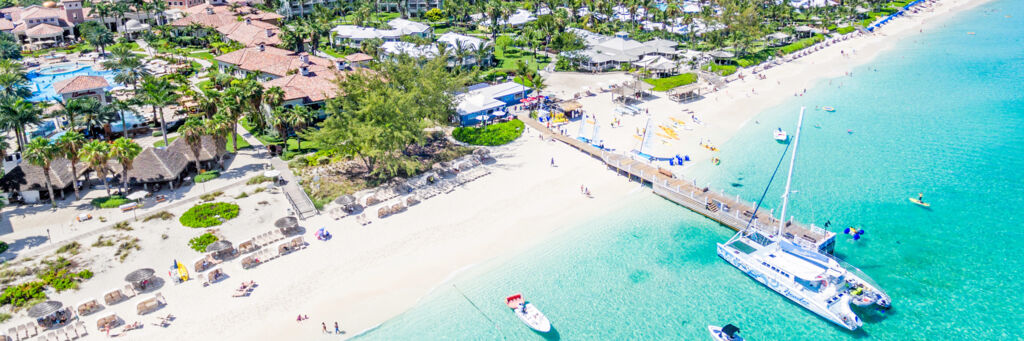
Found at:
[323, 325]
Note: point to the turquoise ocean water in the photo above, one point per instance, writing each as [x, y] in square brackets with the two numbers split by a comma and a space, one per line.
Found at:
[942, 114]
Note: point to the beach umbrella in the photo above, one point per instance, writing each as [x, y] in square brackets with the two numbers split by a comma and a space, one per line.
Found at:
[140, 275]
[345, 200]
[287, 222]
[44, 309]
[219, 245]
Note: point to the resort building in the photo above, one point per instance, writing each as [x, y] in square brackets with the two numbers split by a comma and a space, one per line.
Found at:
[83, 86]
[246, 25]
[353, 36]
[27, 182]
[517, 19]
[489, 100]
[415, 7]
[267, 62]
[39, 27]
[469, 47]
[207, 16]
[604, 53]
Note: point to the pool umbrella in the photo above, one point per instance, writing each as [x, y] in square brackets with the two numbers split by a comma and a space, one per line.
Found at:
[218, 246]
[287, 222]
[44, 309]
[140, 275]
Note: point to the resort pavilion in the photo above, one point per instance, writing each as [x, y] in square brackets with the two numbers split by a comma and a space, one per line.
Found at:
[685, 93]
[722, 57]
[29, 182]
[632, 90]
[157, 165]
[207, 152]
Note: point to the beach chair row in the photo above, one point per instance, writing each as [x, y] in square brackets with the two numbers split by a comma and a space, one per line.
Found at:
[28, 330]
[266, 254]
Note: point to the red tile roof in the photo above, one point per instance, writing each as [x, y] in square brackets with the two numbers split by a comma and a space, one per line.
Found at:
[314, 87]
[80, 83]
[44, 31]
[6, 25]
[358, 57]
[37, 12]
[271, 60]
[251, 33]
[206, 20]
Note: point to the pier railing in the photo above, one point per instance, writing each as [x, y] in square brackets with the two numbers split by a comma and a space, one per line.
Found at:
[727, 210]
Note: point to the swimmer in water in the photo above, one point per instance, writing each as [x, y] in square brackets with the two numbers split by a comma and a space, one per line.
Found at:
[849, 131]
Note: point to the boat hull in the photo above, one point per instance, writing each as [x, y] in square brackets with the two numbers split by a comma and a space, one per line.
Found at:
[533, 318]
[718, 335]
[730, 255]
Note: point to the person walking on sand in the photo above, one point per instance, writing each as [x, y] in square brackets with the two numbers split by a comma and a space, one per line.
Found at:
[324, 325]
[336, 329]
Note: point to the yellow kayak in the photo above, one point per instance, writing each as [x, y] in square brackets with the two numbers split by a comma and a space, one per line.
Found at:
[920, 203]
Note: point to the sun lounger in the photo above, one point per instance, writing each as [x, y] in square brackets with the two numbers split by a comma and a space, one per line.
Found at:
[81, 329]
[298, 243]
[129, 291]
[72, 333]
[13, 332]
[51, 336]
[32, 328]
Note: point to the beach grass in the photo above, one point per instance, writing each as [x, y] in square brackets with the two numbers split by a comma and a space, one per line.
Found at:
[801, 44]
[112, 201]
[667, 83]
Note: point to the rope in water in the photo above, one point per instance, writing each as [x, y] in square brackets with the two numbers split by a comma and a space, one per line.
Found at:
[476, 307]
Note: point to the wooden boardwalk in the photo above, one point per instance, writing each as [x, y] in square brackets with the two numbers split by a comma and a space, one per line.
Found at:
[729, 211]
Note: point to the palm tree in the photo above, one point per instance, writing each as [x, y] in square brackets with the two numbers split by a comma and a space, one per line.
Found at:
[273, 96]
[96, 153]
[16, 113]
[192, 131]
[13, 80]
[232, 105]
[124, 150]
[122, 108]
[4, 147]
[219, 127]
[299, 117]
[159, 93]
[279, 120]
[92, 114]
[538, 83]
[128, 65]
[40, 152]
[70, 144]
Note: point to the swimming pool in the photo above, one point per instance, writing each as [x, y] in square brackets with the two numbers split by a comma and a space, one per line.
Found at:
[43, 79]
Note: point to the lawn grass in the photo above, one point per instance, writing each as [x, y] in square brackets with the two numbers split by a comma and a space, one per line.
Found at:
[507, 59]
[160, 143]
[667, 83]
[205, 56]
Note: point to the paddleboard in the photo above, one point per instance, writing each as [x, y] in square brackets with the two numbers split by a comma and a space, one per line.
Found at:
[919, 202]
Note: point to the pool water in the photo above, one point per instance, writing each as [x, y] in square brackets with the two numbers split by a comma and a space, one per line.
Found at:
[43, 79]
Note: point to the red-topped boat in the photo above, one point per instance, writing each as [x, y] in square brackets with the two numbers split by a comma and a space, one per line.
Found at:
[527, 313]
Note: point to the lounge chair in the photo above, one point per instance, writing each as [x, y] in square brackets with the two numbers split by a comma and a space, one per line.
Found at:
[51, 336]
[33, 328]
[81, 329]
[3, 337]
[129, 291]
[298, 243]
[13, 332]
[72, 333]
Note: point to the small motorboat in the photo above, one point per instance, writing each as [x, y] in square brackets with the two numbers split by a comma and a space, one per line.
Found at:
[727, 333]
[780, 135]
[527, 313]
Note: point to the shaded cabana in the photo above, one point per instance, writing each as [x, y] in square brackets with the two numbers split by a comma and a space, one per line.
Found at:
[721, 57]
[50, 313]
[221, 249]
[778, 38]
[140, 278]
[114, 296]
[288, 225]
[805, 31]
[156, 165]
[633, 90]
[685, 93]
[148, 305]
[109, 321]
[88, 306]
[43, 309]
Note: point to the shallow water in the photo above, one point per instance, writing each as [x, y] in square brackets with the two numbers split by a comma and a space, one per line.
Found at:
[942, 115]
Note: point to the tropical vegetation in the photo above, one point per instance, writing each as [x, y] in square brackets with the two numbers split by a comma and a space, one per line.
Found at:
[490, 135]
[208, 214]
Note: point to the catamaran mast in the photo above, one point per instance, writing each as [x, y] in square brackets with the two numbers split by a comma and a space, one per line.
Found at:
[789, 176]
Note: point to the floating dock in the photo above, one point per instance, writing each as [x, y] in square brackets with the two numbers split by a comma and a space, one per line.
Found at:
[729, 211]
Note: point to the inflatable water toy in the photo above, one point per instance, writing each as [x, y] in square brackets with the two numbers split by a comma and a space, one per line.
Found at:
[855, 232]
[849, 131]
[182, 271]
[829, 109]
[919, 202]
[716, 161]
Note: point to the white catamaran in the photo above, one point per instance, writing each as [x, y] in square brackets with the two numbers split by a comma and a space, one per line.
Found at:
[811, 278]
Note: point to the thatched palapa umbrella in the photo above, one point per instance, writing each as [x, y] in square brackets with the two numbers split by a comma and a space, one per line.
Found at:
[140, 275]
[218, 246]
[285, 223]
[44, 309]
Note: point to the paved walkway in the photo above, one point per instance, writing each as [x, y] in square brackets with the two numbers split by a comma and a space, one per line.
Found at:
[301, 203]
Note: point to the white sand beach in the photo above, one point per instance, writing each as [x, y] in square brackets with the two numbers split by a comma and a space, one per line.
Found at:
[368, 274]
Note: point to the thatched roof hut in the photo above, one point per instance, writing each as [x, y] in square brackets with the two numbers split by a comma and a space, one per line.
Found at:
[208, 152]
[28, 177]
[157, 165]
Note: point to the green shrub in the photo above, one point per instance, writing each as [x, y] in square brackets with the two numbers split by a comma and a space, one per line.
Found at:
[200, 243]
[723, 70]
[667, 83]
[73, 248]
[123, 226]
[801, 44]
[845, 30]
[492, 135]
[4, 247]
[85, 274]
[4, 317]
[162, 215]
[126, 248]
[207, 176]
[23, 294]
[242, 195]
[209, 214]
[258, 180]
[60, 280]
[157, 133]
[112, 201]
[210, 196]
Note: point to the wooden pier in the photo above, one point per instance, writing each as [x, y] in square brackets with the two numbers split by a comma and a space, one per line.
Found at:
[729, 211]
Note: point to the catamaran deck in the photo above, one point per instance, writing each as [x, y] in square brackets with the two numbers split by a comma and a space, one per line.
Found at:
[729, 211]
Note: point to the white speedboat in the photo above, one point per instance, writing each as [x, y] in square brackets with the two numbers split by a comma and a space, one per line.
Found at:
[727, 333]
[793, 268]
[527, 313]
[780, 135]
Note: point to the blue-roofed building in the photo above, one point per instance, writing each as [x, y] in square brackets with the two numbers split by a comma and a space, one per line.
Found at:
[489, 100]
